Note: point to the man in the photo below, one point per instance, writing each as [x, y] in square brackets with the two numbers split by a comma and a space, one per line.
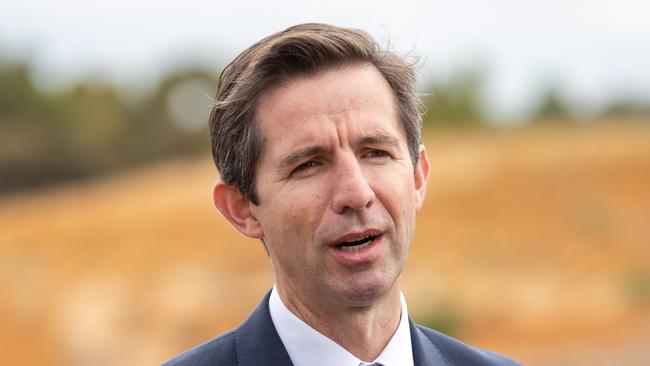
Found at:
[316, 135]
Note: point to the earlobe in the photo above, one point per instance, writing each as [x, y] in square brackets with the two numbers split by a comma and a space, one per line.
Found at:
[421, 177]
[236, 209]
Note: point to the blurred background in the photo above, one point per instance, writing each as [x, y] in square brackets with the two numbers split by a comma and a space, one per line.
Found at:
[533, 242]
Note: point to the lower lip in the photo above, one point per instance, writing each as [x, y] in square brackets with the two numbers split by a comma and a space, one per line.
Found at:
[360, 256]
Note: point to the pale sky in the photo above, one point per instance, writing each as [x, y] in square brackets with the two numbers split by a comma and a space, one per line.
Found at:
[596, 50]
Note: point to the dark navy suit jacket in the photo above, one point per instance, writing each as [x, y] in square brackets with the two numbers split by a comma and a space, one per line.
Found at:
[257, 343]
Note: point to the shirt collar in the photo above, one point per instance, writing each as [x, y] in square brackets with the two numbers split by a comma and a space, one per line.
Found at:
[308, 347]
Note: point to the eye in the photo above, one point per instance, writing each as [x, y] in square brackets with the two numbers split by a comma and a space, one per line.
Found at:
[377, 154]
[304, 166]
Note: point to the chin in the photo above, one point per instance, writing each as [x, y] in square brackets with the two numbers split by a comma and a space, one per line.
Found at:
[364, 293]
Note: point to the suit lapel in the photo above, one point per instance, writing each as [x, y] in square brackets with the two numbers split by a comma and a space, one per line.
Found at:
[425, 353]
[257, 341]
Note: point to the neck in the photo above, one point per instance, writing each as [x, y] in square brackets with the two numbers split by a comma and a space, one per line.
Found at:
[364, 330]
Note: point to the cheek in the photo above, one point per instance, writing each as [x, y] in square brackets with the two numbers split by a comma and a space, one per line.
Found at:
[398, 196]
[396, 186]
[292, 217]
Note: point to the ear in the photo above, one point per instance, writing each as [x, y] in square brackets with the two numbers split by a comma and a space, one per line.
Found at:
[236, 209]
[421, 176]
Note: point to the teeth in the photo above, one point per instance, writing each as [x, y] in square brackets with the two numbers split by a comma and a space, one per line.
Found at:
[357, 240]
[354, 245]
[354, 248]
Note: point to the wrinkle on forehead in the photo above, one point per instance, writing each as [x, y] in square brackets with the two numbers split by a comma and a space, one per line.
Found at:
[348, 128]
[332, 110]
[315, 95]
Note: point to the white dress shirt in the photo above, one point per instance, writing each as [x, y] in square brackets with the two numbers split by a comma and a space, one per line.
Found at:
[308, 347]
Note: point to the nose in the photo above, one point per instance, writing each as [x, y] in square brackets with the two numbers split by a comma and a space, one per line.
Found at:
[350, 188]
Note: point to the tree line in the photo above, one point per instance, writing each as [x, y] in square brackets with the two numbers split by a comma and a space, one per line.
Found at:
[92, 128]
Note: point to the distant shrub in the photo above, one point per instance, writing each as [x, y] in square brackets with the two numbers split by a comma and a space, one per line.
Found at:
[636, 286]
[455, 102]
[627, 109]
[444, 319]
[552, 106]
[92, 128]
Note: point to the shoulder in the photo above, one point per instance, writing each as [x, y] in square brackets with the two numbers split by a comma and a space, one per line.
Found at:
[220, 350]
[458, 353]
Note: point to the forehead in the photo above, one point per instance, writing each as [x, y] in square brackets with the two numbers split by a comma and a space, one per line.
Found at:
[356, 96]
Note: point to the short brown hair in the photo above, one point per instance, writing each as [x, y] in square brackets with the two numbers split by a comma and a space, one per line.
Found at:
[301, 50]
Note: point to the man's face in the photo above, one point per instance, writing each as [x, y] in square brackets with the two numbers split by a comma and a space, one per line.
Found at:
[336, 186]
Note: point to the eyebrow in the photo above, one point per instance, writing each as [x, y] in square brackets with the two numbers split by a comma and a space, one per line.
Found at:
[309, 151]
[379, 139]
[300, 154]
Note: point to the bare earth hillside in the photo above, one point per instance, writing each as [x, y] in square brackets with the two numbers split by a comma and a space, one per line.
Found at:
[534, 243]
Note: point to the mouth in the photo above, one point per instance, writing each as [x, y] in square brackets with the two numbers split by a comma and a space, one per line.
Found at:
[356, 244]
[358, 248]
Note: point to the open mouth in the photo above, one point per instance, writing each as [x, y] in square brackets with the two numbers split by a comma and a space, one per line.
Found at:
[355, 245]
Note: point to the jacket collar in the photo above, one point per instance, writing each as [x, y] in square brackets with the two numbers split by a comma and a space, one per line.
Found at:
[425, 353]
[257, 341]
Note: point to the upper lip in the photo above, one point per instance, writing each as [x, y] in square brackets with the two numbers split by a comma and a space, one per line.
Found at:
[357, 235]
